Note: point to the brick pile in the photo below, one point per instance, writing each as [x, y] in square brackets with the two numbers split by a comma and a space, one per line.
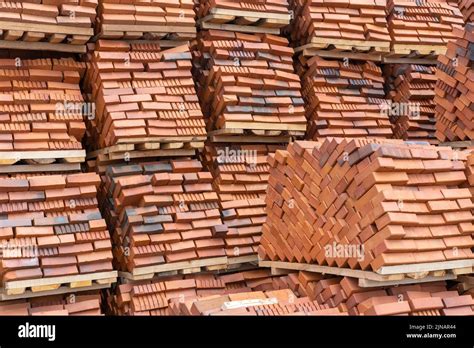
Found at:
[242, 293]
[455, 89]
[467, 9]
[74, 15]
[240, 175]
[143, 94]
[422, 26]
[344, 99]
[144, 19]
[425, 299]
[41, 104]
[162, 212]
[344, 25]
[397, 204]
[51, 226]
[411, 94]
[247, 83]
[84, 303]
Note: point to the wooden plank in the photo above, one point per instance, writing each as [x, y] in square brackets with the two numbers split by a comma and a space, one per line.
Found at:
[345, 272]
[425, 267]
[34, 168]
[17, 284]
[367, 283]
[351, 43]
[459, 144]
[174, 266]
[46, 28]
[375, 57]
[42, 46]
[60, 291]
[55, 154]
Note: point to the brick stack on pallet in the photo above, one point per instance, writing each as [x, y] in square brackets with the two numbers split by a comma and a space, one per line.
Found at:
[426, 299]
[242, 293]
[340, 27]
[245, 16]
[344, 99]
[412, 109]
[455, 89]
[64, 26]
[146, 104]
[240, 174]
[247, 85]
[85, 303]
[52, 234]
[422, 28]
[165, 217]
[252, 103]
[42, 110]
[380, 206]
[144, 19]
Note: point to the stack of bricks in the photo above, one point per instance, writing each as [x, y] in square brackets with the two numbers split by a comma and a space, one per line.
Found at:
[84, 303]
[455, 89]
[240, 175]
[31, 20]
[242, 293]
[467, 9]
[423, 26]
[344, 99]
[41, 104]
[144, 19]
[143, 95]
[51, 227]
[425, 299]
[162, 212]
[247, 83]
[412, 109]
[386, 202]
[343, 25]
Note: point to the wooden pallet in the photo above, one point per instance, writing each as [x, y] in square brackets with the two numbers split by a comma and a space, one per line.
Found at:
[50, 37]
[262, 128]
[414, 54]
[386, 275]
[244, 21]
[215, 264]
[147, 32]
[54, 285]
[122, 153]
[350, 49]
[243, 136]
[147, 149]
[42, 157]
